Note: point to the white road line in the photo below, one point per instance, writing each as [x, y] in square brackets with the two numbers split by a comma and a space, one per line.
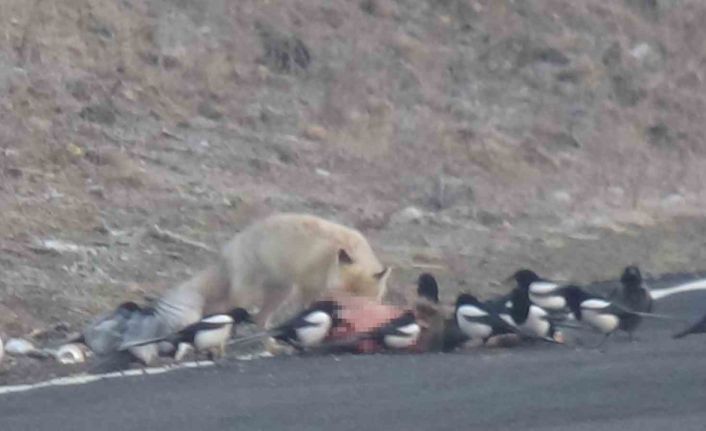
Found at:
[88, 378]
[687, 287]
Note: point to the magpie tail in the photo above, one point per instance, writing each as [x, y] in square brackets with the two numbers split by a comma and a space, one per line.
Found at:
[659, 316]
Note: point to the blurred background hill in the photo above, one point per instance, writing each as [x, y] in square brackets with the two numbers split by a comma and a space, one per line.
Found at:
[464, 137]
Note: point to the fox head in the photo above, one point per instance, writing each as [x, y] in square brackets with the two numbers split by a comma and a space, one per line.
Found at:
[360, 278]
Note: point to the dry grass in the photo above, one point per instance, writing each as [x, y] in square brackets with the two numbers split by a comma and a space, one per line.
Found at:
[205, 115]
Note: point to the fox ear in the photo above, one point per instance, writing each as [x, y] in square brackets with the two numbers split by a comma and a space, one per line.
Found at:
[344, 258]
[381, 278]
[382, 275]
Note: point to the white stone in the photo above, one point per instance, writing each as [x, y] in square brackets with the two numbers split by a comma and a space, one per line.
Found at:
[19, 347]
[407, 215]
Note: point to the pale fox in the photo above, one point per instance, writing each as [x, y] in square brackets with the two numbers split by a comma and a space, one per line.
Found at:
[282, 262]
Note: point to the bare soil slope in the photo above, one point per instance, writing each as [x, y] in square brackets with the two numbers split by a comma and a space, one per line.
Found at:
[567, 136]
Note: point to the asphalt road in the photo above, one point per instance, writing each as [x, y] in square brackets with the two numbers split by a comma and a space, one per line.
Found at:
[655, 383]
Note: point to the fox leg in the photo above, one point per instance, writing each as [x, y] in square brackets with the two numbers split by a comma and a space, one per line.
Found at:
[273, 298]
[223, 350]
[276, 301]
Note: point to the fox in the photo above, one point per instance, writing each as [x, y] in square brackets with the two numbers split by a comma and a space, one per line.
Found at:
[275, 266]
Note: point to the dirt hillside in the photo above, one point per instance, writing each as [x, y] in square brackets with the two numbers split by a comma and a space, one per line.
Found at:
[465, 137]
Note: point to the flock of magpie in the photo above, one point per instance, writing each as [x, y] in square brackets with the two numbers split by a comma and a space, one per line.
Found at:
[307, 330]
[535, 309]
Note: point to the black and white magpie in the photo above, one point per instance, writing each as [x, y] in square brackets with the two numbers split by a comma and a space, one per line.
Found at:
[209, 334]
[543, 293]
[599, 313]
[530, 319]
[308, 329]
[480, 321]
[399, 333]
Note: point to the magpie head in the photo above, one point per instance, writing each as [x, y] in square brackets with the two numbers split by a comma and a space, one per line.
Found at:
[128, 309]
[574, 295]
[524, 277]
[407, 318]
[427, 287]
[631, 277]
[129, 306]
[241, 315]
[520, 304]
[466, 299]
[332, 308]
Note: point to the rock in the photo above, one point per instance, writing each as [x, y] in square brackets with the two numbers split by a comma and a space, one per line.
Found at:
[673, 200]
[315, 133]
[551, 56]
[322, 172]
[489, 219]
[563, 140]
[208, 109]
[19, 347]
[97, 191]
[407, 215]
[641, 50]
[379, 8]
[613, 56]
[647, 55]
[282, 53]
[2, 350]
[562, 196]
[101, 113]
[448, 191]
[659, 135]
[79, 90]
[650, 9]
[627, 93]
[70, 354]
[60, 247]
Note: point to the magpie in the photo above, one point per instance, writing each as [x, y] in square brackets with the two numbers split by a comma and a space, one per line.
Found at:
[308, 329]
[601, 314]
[544, 293]
[106, 329]
[697, 328]
[399, 333]
[530, 319]
[632, 293]
[430, 314]
[428, 288]
[479, 321]
[104, 334]
[209, 334]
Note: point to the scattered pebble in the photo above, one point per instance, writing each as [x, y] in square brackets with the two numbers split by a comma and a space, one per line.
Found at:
[322, 172]
[70, 354]
[407, 215]
[19, 347]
